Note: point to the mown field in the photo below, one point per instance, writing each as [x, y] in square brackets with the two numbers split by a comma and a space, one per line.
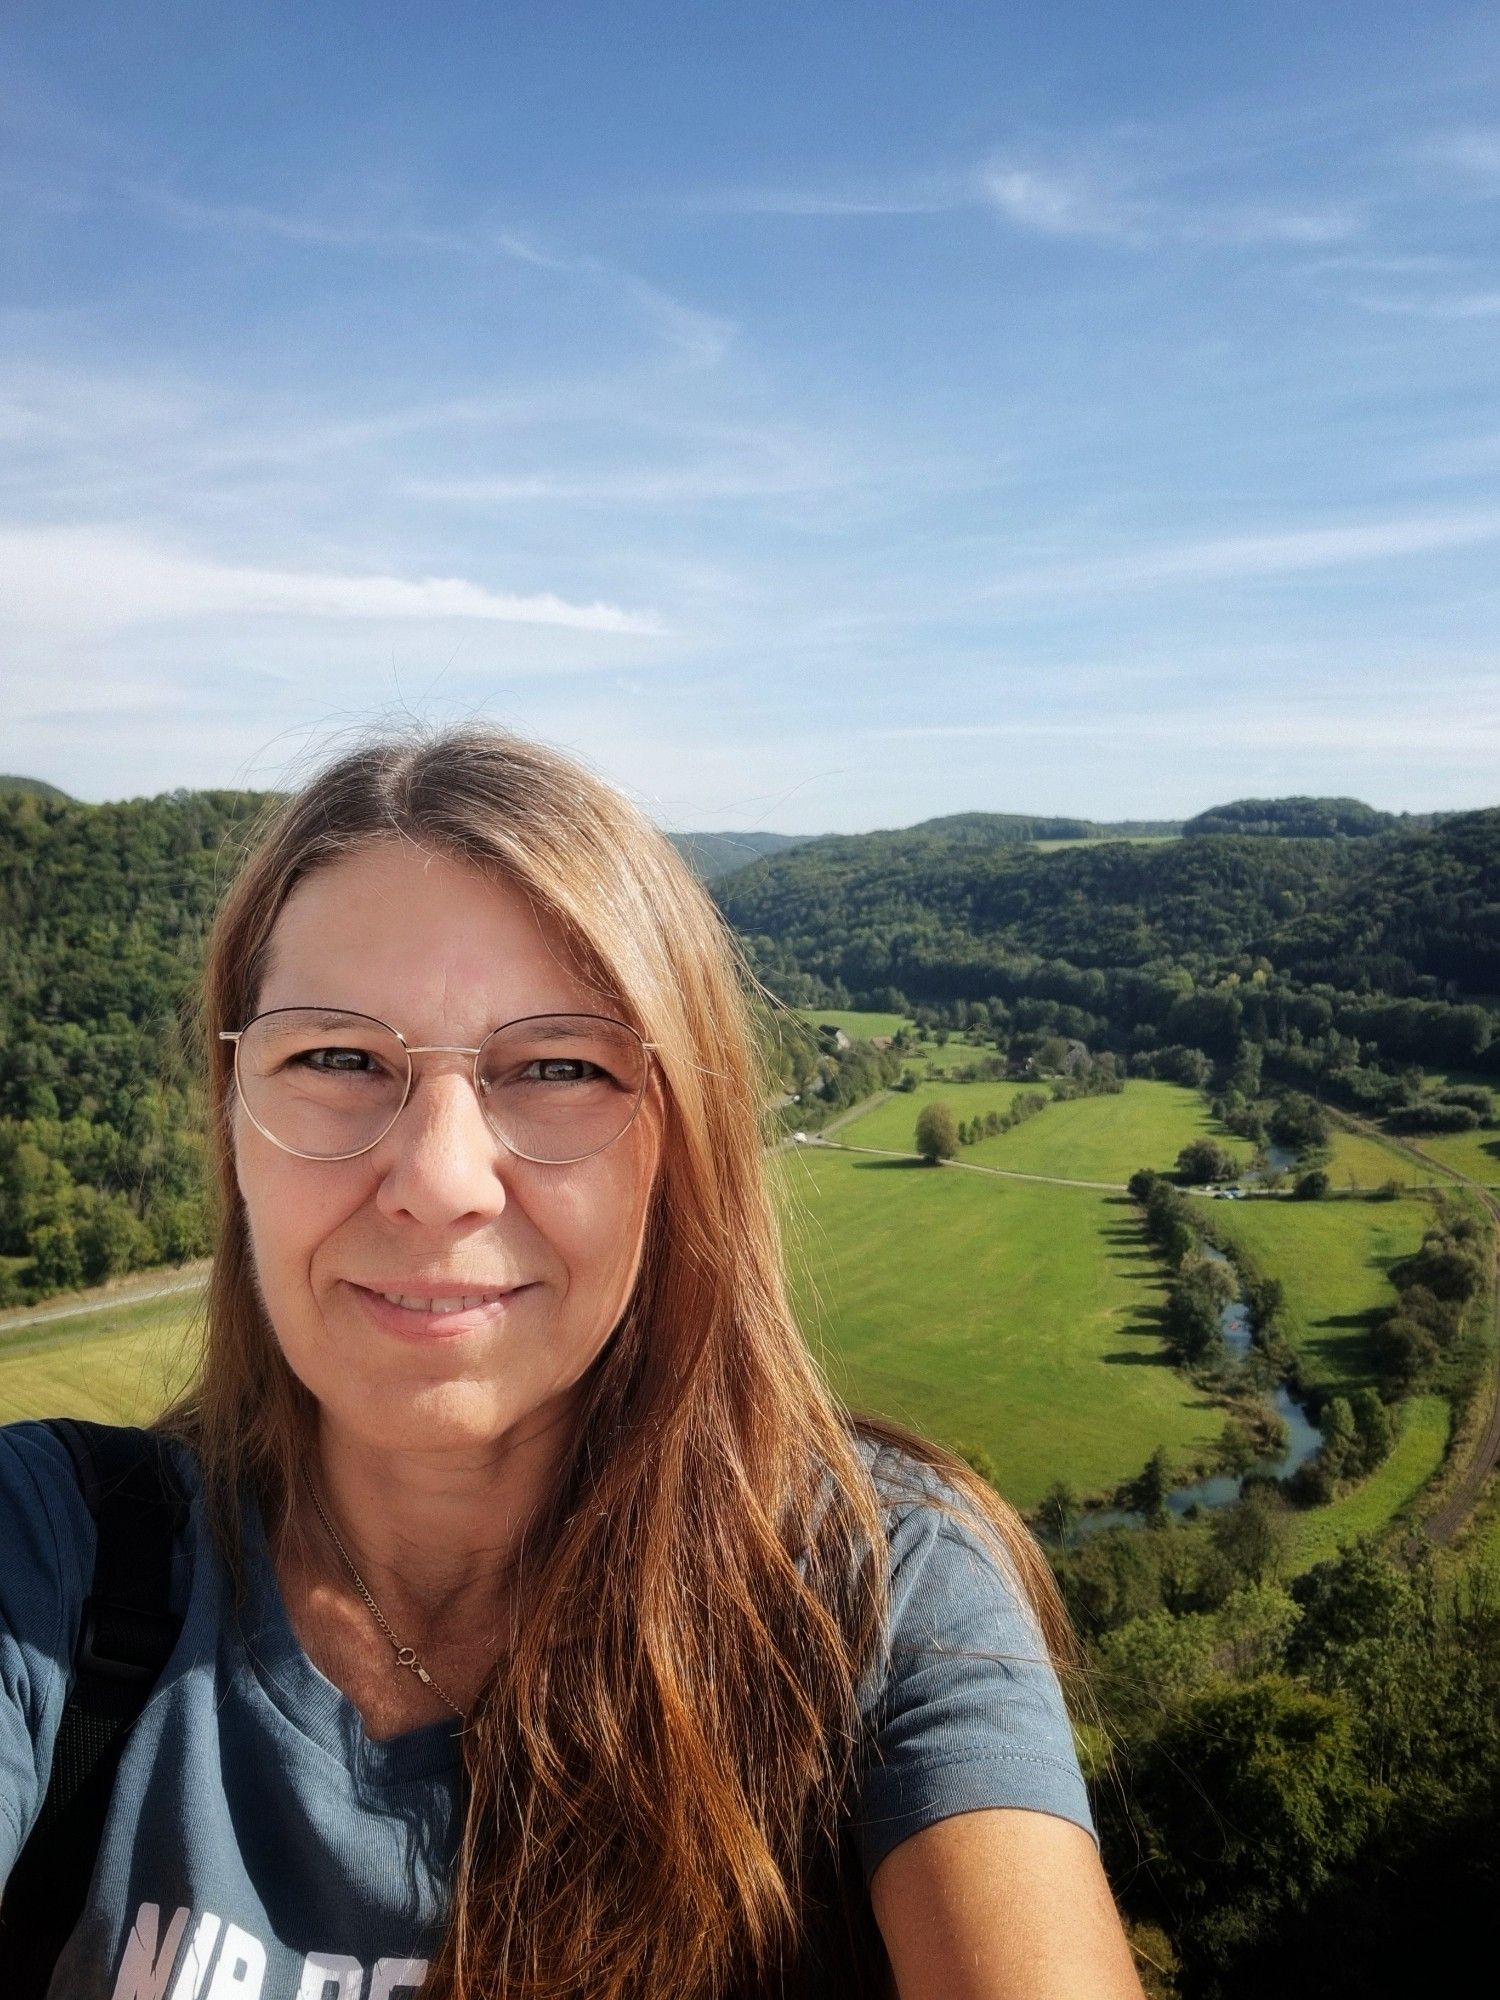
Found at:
[1332, 1258]
[121, 1366]
[1012, 1315]
[1080, 1138]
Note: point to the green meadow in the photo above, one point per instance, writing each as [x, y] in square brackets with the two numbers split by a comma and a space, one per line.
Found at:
[1009, 1315]
[1415, 1456]
[1079, 1138]
[1475, 1154]
[1332, 1258]
[859, 1027]
[121, 1365]
[1357, 1161]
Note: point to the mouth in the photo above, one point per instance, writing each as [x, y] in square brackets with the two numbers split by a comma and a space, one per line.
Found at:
[439, 1315]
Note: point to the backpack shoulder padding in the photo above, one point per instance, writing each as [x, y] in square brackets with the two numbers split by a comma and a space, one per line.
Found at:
[126, 1635]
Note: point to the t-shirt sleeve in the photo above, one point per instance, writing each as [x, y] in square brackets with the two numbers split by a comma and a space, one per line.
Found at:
[46, 1561]
[966, 1711]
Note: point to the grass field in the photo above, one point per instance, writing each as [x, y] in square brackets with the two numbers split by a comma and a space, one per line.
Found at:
[1358, 1162]
[1081, 1138]
[1476, 1154]
[1415, 1457]
[990, 1312]
[121, 1366]
[1331, 1257]
[859, 1027]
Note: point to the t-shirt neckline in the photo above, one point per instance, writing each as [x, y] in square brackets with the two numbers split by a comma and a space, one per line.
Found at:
[311, 1702]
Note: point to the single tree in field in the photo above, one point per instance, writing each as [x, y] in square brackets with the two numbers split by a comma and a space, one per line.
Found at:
[937, 1132]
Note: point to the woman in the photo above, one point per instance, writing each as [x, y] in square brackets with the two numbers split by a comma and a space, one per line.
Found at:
[549, 1629]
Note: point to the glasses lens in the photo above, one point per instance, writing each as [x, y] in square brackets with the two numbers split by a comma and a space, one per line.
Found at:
[561, 1086]
[321, 1083]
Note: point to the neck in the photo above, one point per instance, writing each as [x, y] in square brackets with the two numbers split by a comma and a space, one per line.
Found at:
[435, 1535]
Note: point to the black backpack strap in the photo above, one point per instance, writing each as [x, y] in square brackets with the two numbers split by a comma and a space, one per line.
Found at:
[128, 1630]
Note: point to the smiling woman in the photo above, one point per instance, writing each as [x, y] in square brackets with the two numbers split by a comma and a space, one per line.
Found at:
[544, 1625]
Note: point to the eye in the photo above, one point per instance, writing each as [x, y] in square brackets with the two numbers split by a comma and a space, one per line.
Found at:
[561, 1069]
[335, 1062]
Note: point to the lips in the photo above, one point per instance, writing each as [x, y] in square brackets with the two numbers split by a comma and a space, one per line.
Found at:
[426, 1315]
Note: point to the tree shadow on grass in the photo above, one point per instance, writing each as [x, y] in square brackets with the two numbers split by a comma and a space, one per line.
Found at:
[886, 1166]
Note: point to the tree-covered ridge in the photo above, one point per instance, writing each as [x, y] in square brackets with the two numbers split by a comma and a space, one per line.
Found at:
[34, 787]
[1304, 818]
[928, 913]
[103, 915]
[712, 854]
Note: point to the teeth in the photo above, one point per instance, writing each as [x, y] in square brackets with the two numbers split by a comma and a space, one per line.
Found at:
[442, 1305]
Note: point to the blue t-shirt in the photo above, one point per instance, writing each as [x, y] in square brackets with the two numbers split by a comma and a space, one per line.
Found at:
[259, 1846]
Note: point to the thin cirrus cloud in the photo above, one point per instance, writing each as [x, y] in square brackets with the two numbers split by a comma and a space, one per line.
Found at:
[107, 579]
[1052, 202]
[1473, 154]
[1089, 203]
[1226, 557]
[1464, 740]
[697, 335]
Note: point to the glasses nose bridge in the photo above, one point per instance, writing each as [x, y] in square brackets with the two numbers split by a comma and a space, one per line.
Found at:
[441, 1049]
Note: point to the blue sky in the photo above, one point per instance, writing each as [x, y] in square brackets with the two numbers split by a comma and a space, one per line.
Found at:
[816, 416]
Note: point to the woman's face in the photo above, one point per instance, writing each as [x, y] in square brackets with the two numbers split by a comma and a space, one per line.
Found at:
[438, 1209]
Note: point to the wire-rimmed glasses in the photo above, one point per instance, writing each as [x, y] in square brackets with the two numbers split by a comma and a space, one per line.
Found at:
[327, 1084]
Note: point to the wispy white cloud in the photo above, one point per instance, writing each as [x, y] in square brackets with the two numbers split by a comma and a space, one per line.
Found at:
[383, 223]
[1438, 306]
[1463, 736]
[827, 202]
[101, 578]
[1093, 201]
[1472, 154]
[1224, 558]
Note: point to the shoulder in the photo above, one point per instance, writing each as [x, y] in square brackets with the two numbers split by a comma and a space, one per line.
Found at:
[46, 1528]
[49, 1540]
[964, 1707]
[43, 1517]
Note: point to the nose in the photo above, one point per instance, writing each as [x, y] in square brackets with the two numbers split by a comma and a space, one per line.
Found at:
[440, 1163]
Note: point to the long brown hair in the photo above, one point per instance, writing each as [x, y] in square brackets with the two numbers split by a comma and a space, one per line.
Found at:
[658, 1772]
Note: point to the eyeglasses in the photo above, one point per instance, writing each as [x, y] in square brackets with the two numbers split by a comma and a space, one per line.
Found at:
[325, 1084]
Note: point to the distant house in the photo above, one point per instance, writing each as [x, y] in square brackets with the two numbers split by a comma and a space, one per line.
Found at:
[834, 1034]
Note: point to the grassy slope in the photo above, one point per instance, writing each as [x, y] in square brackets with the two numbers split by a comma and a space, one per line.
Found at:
[992, 1313]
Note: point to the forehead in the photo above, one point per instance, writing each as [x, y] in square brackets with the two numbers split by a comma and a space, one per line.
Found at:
[424, 942]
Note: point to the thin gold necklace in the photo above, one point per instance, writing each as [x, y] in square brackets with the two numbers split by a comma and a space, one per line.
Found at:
[405, 1655]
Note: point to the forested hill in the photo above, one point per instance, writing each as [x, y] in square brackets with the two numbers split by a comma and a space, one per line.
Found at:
[932, 917]
[1308, 819]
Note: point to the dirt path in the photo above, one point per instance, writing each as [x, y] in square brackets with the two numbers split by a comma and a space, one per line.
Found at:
[966, 1166]
[1442, 1526]
[122, 1292]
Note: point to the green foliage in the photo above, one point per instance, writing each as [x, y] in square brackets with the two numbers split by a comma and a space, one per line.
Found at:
[978, 1460]
[1196, 1299]
[1206, 1160]
[937, 1136]
[1312, 1186]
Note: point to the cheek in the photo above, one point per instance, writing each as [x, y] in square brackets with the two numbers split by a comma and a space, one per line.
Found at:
[291, 1208]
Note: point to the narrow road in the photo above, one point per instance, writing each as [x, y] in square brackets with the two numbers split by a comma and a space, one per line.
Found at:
[128, 1294]
[967, 1166]
[1442, 1526]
